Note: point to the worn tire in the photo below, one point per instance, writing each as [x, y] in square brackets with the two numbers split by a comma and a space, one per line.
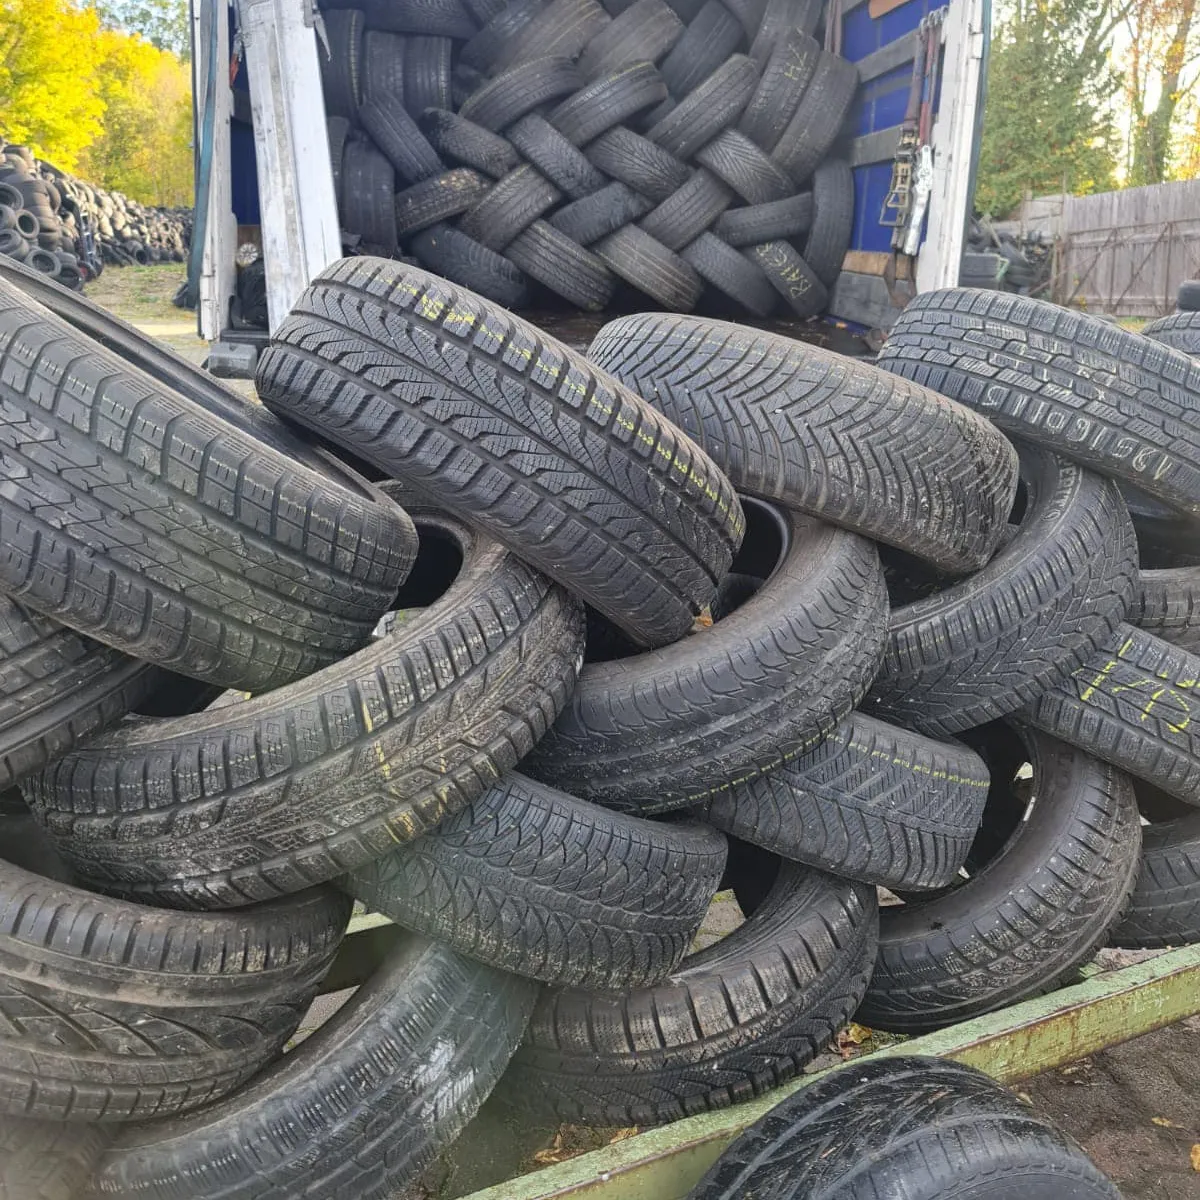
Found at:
[640, 164]
[757, 223]
[1166, 603]
[1165, 908]
[1091, 391]
[1039, 901]
[348, 763]
[509, 208]
[1040, 610]
[113, 1011]
[561, 163]
[359, 1109]
[818, 118]
[482, 51]
[643, 261]
[1180, 330]
[608, 101]
[779, 17]
[592, 217]
[763, 403]
[684, 215]
[644, 32]
[176, 536]
[1133, 705]
[833, 216]
[564, 267]
[765, 684]
[382, 67]
[720, 265]
[737, 161]
[470, 145]
[734, 1021]
[439, 198]
[792, 60]
[520, 90]
[947, 1131]
[367, 205]
[646, 533]
[872, 802]
[708, 109]
[533, 881]
[712, 35]
[561, 30]
[399, 140]
[449, 252]
[426, 74]
[1188, 297]
[791, 277]
[57, 688]
[47, 1160]
[341, 68]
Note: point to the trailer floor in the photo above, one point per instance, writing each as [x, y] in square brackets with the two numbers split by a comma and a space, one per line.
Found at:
[1135, 1108]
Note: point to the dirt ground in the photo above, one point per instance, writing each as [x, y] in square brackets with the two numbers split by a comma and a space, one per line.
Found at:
[1134, 1108]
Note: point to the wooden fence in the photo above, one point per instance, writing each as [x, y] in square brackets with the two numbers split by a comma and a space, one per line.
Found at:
[1123, 253]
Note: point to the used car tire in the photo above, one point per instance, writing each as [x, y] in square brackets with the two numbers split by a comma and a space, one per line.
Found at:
[176, 536]
[1180, 330]
[1130, 412]
[1133, 705]
[564, 267]
[1165, 907]
[641, 473]
[114, 1011]
[533, 881]
[638, 163]
[735, 1020]
[643, 261]
[358, 1109]
[1166, 603]
[872, 802]
[763, 685]
[1042, 893]
[57, 688]
[761, 404]
[371, 752]
[753, 224]
[448, 251]
[947, 1131]
[1051, 598]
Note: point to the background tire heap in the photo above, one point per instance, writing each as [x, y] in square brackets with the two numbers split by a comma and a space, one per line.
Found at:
[68, 229]
[705, 608]
[541, 151]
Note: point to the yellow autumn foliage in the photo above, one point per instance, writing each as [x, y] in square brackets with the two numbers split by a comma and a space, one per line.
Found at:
[101, 103]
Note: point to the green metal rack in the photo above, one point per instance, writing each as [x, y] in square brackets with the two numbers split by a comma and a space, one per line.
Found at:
[1103, 1009]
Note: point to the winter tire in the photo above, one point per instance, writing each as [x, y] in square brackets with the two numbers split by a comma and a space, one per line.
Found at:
[1046, 884]
[533, 881]
[760, 402]
[642, 474]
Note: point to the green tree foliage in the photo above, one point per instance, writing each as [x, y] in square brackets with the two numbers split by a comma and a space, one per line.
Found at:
[163, 23]
[1047, 120]
[96, 100]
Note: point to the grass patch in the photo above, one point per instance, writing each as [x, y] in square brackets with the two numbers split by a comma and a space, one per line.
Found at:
[141, 295]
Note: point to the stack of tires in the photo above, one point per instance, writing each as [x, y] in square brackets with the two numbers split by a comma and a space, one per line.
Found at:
[542, 151]
[68, 229]
[707, 608]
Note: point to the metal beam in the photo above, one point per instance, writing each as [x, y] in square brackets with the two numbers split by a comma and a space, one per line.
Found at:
[1024, 1040]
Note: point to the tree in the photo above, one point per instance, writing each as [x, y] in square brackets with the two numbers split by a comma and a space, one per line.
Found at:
[1047, 122]
[165, 24]
[143, 149]
[1164, 62]
[49, 99]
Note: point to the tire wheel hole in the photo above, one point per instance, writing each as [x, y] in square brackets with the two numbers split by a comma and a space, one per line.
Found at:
[438, 564]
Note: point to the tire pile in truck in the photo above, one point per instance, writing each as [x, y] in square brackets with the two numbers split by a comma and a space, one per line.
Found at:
[68, 229]
[542, 151]
[705, 608]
